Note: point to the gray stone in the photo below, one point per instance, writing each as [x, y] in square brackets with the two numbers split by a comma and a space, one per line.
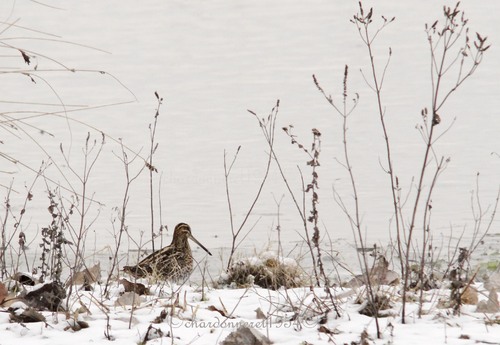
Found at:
[47, 297]
[490, 305]
[87, 276]
[493, 281]
[129, 298]
[379, 275]
[245, 335]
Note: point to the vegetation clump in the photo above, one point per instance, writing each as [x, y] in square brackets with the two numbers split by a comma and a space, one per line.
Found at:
[268, 270]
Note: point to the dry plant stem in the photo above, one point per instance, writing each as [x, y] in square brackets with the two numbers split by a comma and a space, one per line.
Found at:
[478, 237]
[426, 234]
[84, 179]
[153, 147]
[227, 171]
[363, 22]
[63, 113]
[270, 126]
[307, 238]
[316, 149]
[162, 227]
[53, 238]
[57, 114]
[278, 226]
[312, 188]
[123, 212]
[88, 165]
[447, 37]
[441, 43]
[36, 74]
[354, 220]
[48, 156]
[18, 220]
[3, 250]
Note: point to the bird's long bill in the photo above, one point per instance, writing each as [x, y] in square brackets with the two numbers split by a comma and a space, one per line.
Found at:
[198, 243]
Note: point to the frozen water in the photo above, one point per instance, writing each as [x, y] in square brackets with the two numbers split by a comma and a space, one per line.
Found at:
[211, 61]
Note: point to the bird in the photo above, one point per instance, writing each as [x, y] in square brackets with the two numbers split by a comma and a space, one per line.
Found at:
[173, 262]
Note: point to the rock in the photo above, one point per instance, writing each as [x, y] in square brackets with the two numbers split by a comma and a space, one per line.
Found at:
[260, 315]
[76, 325]
[26, 316]
[490, 305]
[129, 298]
[469, 295]
[3, 293]
[25, 279]
[87, 276]
[357, 281]
[379, 275]
[245, 335]
[139, 288]
[152, 333]
[376, 307]
[493, 281]
[391, 278]
[49, 297]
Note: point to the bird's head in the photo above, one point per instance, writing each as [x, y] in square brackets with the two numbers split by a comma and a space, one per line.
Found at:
[182, 232]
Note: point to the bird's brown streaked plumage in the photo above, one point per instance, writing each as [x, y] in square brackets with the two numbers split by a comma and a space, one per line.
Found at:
[173, 262]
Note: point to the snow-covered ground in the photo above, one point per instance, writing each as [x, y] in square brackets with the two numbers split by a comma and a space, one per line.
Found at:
[294, 316]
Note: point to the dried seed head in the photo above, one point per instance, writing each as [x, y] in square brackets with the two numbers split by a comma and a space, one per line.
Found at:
[436, 120]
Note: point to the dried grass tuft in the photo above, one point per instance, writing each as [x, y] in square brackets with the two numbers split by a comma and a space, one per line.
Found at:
[268, 270]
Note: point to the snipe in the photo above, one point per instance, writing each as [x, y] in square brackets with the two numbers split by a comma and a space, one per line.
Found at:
[173, 262]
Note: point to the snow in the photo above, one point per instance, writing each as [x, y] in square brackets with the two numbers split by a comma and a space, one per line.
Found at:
[270, 255]
[208, 321]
